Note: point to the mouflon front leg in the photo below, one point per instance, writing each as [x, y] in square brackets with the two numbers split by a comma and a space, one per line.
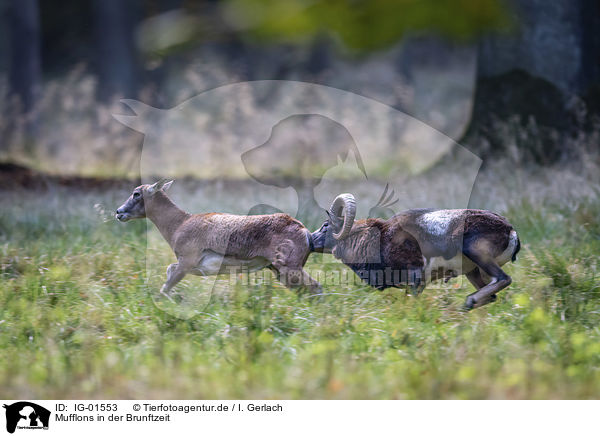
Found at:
[175, 272]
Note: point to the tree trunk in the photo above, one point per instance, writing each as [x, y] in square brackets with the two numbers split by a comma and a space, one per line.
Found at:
[25, 69]
[24, 74]
[529, 81]
[114, 25]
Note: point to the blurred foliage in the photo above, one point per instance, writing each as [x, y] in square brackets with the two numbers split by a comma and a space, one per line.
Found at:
[362, 25]
[168, 33]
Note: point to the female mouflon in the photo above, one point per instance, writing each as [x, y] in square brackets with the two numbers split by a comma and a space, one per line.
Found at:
[213, 243]
[418, 246]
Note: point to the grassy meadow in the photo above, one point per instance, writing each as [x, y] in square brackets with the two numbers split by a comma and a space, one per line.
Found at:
[78, 321]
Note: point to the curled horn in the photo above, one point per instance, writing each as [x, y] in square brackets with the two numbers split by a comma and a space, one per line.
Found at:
[342, 213]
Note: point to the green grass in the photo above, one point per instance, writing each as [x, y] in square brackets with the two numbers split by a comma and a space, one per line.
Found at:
[78, 321]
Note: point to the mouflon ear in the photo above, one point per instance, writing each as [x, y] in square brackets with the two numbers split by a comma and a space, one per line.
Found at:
[161, 185]
[152, 189]
[167, 185]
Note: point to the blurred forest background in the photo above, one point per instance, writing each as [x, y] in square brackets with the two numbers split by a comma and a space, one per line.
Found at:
[504, 78]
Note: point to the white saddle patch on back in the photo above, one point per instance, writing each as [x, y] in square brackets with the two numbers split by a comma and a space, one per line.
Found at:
[438, 222]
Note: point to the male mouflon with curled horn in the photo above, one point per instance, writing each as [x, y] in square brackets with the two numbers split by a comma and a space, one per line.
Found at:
[213, 243]
[418, 246]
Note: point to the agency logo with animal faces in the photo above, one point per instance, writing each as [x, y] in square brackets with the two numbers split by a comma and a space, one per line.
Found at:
[264, 147]
[24, 415]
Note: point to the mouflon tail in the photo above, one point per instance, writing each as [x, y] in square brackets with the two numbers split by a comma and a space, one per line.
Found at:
[517, 248]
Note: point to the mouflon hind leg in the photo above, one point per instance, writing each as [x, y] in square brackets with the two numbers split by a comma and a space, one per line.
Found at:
[487, 293]
[288, 266]
[475, 278]
[478, 282]
[297, 278]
